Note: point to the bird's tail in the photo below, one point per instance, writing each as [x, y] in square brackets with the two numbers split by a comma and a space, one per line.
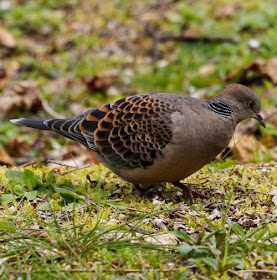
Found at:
[33, 123]
[68, 127]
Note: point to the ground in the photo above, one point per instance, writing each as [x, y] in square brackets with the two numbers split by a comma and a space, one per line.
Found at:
[88, 223]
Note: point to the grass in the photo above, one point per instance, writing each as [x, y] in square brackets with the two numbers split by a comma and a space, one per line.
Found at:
[71, 228]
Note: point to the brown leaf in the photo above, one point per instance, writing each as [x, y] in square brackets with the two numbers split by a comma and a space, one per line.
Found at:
[249, 220]
[215, 214]
[244, 144]
[4, 76]
[270, 69]
[73, 154]
[162, 239]
[245, 148]
[256, 71]
[18, 148]
[5, 159]
[6, 39]
[227, 11]
[3, 72]
[270, 115]
[274, 196]
[22, 96]
[98, 83]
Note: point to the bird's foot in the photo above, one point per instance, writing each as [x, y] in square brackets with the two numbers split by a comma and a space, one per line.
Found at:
[189, 192]
[147, 190]
[139, 191]
[159, 189]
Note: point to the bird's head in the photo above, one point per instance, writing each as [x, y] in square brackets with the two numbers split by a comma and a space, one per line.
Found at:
[244, 101]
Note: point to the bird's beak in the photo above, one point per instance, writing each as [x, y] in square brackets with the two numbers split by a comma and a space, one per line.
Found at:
[260, 119]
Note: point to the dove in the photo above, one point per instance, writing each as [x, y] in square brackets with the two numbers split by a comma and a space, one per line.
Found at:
[155, 138]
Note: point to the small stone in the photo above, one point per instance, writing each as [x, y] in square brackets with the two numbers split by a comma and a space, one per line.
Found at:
[156, 201]
[261, 264]
[112, 91]
[215, 214]
[253, 44]
[5, 5]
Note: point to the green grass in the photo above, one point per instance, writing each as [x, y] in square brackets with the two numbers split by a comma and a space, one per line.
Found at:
[71, 228]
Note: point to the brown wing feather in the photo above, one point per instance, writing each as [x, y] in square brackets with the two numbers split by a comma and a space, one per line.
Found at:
[131, 132]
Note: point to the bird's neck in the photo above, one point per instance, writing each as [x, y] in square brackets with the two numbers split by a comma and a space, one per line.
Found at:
[221, 108]
[225, 110]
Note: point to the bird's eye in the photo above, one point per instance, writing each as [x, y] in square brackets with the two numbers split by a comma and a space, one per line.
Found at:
[249, 104]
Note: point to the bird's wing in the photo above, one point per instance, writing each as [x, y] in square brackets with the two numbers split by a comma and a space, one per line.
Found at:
[131, 132]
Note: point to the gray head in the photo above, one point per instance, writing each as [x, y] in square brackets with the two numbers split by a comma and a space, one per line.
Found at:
[244, 102]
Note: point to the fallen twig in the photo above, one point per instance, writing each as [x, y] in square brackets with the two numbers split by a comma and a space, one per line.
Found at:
[149, 31]
[203, 39]
[27, 163]
[97, 271]
[60, 163]
[137, 210]
[235, 273]
[51, 111]
[263, 271]
[74, 169]
[185, 37]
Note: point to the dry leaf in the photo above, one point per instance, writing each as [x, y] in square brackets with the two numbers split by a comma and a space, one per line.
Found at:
[215, 214]
[21, 96]
[256, 71]
[18, 148]
[227, 11]
[98, 83]
[245, 147]
[4, 76]
[6, 39]
[270, 69]
[274, 196]
[207, 69]
[45, 252]
[5, 159]
[74, 155]
[270, 115]
[244, 144]
[159, 223]
[163, 239]
[247, 221]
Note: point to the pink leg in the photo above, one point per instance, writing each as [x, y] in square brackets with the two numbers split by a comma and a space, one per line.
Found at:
[189, 192]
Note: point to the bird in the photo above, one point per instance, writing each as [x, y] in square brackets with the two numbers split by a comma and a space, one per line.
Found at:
[158, 138]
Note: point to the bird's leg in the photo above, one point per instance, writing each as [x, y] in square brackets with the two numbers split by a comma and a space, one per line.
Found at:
[148, 189]
[189, 192]
[139, 191]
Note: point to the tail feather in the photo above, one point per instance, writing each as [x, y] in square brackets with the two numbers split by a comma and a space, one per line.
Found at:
[33, 123]
[68, 127]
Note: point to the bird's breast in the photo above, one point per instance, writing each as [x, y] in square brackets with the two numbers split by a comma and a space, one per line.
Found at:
[201, 136]
[196, 141]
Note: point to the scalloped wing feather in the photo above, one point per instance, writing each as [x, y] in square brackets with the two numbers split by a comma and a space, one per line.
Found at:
[131, 132]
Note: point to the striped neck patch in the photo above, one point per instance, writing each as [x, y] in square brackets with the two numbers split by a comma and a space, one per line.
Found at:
[221, 108]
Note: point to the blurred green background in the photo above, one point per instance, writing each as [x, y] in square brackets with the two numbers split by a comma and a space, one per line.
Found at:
[70, 55]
